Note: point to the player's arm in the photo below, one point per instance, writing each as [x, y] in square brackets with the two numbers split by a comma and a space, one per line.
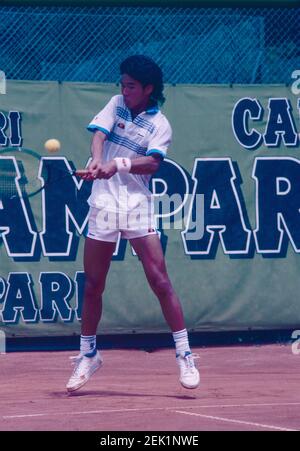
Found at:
[140, 165]
[97, 145]
[145, 165]
[96, 151]
[101, 126]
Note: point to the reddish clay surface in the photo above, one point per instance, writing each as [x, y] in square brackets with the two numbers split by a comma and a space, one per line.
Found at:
[242, 388]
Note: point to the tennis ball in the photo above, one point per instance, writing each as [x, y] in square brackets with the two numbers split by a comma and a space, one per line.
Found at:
[52, 145]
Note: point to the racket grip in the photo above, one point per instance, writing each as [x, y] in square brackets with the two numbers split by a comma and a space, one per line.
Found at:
[81, 172]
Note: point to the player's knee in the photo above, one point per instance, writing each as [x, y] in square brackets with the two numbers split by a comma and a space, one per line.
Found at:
[94, 287]
[161, 286]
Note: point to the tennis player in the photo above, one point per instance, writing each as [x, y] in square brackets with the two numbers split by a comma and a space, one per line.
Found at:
[130, 139]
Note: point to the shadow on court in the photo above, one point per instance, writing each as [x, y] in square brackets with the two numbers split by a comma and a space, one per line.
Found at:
[101, 393]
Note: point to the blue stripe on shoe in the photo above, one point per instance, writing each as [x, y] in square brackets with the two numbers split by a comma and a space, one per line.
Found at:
[91, 354]
[186, 354]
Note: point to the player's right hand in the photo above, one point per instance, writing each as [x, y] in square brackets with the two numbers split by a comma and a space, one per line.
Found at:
[93, 169]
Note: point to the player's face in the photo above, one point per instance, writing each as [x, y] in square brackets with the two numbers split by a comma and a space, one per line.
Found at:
[136, 96]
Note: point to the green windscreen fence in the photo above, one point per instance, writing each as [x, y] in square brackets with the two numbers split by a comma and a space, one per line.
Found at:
[235, 164]
[216, 44]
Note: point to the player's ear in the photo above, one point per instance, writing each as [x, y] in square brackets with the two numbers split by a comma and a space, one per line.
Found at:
[148, 89]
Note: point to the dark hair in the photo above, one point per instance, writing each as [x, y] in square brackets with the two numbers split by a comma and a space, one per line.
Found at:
[147, 72]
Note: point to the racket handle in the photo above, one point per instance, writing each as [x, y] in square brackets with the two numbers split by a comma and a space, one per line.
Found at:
[81, 172]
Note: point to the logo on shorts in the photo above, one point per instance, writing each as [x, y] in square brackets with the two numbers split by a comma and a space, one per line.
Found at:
[121, 125]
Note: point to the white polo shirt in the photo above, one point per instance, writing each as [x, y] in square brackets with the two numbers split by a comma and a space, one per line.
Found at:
[148, 133]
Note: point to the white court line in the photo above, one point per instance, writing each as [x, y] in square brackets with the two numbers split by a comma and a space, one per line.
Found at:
[14, 417]
[89, 412]
[249, 423]
[143, 409]
[263, 404]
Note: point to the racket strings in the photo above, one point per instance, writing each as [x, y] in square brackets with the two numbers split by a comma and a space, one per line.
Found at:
[24, 174]
[19, 175]
[8, 177]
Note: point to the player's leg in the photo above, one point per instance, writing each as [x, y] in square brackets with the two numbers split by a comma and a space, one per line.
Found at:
[97, 258]
[149, 250]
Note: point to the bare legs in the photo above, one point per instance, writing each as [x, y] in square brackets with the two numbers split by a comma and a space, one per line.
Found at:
[97, 258]
[150, 252]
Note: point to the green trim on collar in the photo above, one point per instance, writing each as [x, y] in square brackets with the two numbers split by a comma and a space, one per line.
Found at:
[152, 110]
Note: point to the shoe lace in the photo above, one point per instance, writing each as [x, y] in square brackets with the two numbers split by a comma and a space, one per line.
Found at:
[76, 360]
[189, 363]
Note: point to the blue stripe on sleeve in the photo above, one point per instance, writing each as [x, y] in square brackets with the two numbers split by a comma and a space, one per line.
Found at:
[94, 128]
[157, 151]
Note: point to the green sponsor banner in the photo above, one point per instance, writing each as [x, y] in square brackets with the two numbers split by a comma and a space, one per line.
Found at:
[232, 245]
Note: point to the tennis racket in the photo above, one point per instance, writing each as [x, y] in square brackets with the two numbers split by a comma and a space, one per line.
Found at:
[23, 174]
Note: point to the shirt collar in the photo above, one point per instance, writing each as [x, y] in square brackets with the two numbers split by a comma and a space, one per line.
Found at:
[152, 109]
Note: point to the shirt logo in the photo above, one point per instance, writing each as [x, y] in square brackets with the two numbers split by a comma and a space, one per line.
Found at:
[121, 125]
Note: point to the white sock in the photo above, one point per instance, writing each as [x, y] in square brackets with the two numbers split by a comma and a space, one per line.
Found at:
[88, 345]
[181, 342]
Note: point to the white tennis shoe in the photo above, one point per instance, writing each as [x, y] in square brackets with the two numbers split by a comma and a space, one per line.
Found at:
[189, 375]
[85, 367]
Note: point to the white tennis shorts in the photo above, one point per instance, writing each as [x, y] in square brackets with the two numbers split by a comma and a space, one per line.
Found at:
[106, 226]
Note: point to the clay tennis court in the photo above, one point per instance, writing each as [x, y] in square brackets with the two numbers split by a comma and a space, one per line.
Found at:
[243, 388]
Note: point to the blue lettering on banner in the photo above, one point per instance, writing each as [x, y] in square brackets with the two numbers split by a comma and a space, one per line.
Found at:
[224, 218]
[19, 299]
[12, 122]
[2, 289]
[56, 292]
[280, 126]
[277, 205]
[16, 224]
[244, 110]
[3, 126]
[15, 128]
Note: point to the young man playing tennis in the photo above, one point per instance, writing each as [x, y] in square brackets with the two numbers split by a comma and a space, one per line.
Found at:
[131, 137]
